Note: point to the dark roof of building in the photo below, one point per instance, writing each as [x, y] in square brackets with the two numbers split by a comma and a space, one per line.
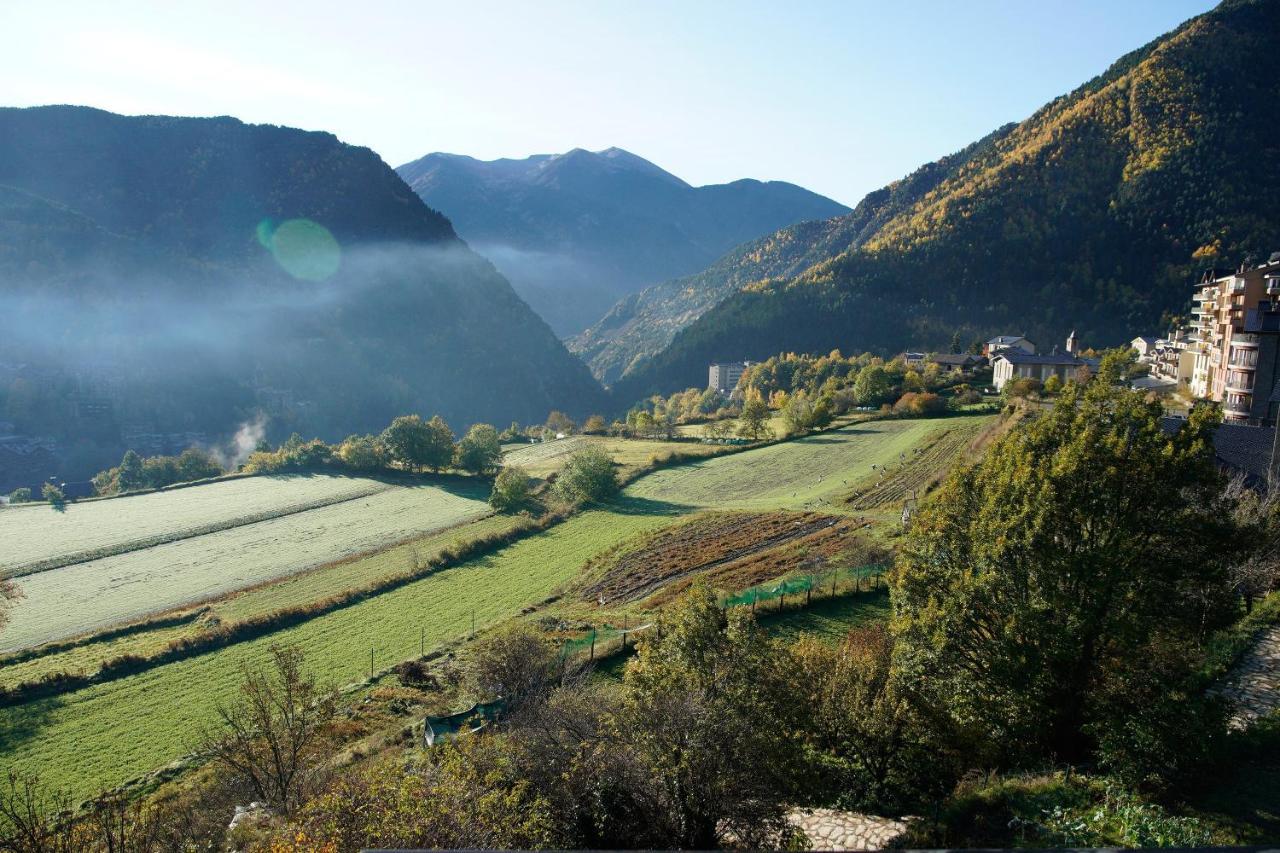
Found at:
[964, 358]
[1239, 447]
[1019, 357]
[1007, 339]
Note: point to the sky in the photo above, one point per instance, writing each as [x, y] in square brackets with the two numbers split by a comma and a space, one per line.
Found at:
[840, 97]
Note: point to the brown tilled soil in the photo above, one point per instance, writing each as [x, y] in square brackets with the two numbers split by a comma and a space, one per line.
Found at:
[729, 549]
[923, 468]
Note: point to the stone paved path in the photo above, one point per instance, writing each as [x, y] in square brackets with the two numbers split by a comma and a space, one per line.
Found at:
[1254, 686]
[829, 829]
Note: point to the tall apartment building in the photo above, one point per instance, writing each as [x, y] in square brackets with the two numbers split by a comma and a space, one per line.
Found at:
[1226, 355]
[724, 376]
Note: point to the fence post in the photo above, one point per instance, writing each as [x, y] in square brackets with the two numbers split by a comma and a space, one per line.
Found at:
[754, 597]
[624, 632]
[371, 661]
[593, 643]
[422, 641]
[834, 576]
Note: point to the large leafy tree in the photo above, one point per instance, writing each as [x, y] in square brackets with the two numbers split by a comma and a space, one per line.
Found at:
[1088, 542]
[707, 714]
[415, 443]
[480, 450]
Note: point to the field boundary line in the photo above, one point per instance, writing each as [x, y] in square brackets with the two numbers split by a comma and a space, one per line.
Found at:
[79, 557]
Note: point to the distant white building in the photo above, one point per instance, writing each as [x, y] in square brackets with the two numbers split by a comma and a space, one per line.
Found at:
[1006, 342]
[913, 360]
[1015, 364]
[1144, 346]
[723, 376]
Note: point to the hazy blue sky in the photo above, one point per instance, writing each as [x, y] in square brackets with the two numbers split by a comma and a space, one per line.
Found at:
[841, 97]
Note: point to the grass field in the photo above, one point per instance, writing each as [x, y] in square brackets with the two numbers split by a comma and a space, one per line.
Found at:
[295, 590]
[102, 735]
[64, 602]
[815, 472]
[546, 458]
[36, 534]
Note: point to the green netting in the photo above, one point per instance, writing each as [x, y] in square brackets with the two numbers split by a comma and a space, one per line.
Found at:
[830, 580]
[472, 719]
[601, 638]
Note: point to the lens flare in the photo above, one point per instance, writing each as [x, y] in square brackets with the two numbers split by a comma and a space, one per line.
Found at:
[304, 249]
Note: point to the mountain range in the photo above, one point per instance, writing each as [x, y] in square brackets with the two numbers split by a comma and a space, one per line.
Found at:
[1095, 214]
[167, 274]
[576, 232]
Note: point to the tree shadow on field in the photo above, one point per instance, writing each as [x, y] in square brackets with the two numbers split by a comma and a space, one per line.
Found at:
[19, 724]
[631, 505]
[470, 487]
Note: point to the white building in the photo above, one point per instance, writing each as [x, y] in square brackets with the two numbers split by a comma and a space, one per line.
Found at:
[724, 376]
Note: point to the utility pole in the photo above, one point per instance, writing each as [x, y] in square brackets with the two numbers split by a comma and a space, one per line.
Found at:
[371, 661]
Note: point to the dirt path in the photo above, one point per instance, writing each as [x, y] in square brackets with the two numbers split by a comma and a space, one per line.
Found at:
[1254, 686]
[830, 829]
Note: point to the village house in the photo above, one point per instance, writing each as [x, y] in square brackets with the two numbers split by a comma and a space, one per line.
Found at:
[1015, 363]
[913, 360]
[961, 363]
[1144, 346]
[1006, 342]
[724, 376]
[1173, 360]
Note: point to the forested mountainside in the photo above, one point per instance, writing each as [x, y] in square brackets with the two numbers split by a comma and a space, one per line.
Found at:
[1095, 214]
[576, 232]
[642, 324]
[166, 275]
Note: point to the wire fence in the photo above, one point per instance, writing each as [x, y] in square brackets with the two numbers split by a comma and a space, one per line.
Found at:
[798, 590]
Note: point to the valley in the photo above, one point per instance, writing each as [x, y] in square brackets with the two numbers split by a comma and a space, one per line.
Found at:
[110, 732]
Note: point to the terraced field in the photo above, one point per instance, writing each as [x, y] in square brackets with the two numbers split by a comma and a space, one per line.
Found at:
[295, 590]
[85, 596]
[921, 468]
[710, 545]
[38, 537]
[547, 457]
[814, 472]
[101, 735]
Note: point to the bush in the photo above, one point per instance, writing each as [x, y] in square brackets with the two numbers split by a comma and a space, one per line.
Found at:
[587, 477]
[20, 495]
[52, 494]
[512, 490]
[913, 404]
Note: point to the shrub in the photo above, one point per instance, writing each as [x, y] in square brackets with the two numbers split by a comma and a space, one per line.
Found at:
[512, 490]
[20, 495]
[52, 494]
[913, 404]
[587, 477]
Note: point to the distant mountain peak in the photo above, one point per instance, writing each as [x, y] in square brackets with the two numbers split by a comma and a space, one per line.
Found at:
[577, 231]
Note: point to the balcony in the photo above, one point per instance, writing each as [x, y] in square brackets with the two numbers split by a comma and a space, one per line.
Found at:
[1237, 406]
[1246, 339]
[1239, 385]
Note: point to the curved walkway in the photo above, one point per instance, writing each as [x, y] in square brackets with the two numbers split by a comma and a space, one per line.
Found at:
[1254, 686]
[830, 829]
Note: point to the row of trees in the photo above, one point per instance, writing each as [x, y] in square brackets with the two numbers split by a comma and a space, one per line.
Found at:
[409, 443]
[153, 472]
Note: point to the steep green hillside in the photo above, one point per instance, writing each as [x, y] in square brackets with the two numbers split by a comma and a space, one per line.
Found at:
[575, 232]
[182, 274]
[641, 325]
[1093, 214]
